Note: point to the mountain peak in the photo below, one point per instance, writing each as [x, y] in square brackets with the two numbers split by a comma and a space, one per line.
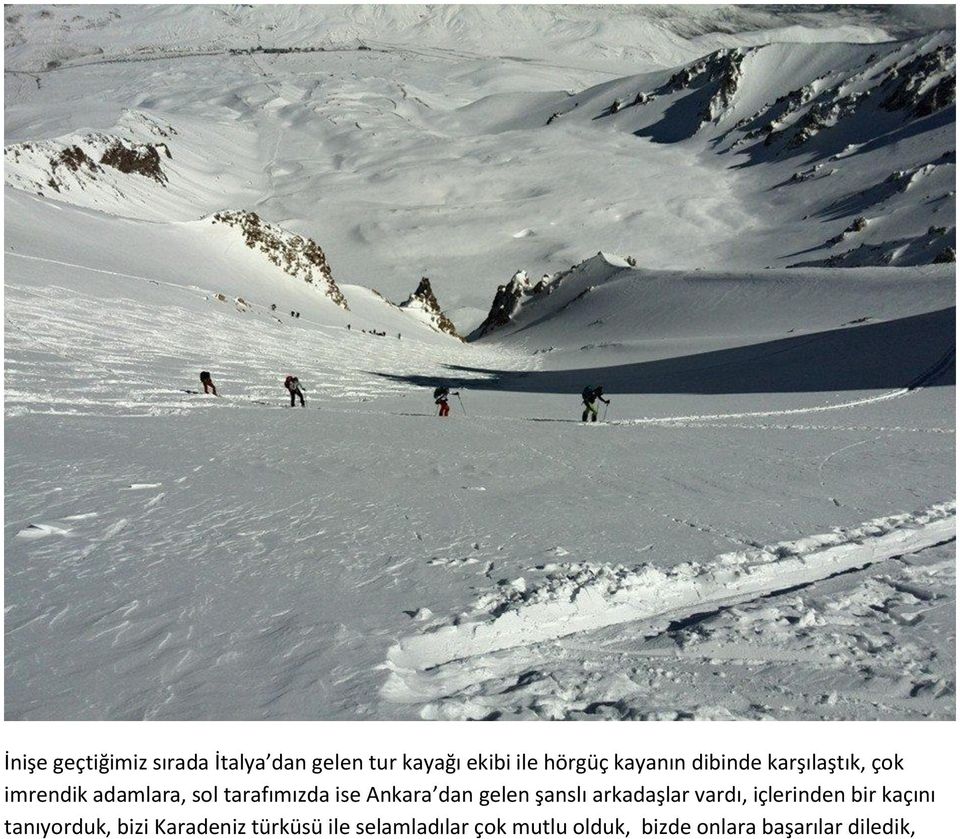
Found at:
[424, 301]
[298, 256]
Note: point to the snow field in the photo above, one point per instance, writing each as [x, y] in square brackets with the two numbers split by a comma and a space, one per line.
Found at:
[762, 528]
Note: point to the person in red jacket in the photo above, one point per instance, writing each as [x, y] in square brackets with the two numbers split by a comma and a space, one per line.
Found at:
[440, 396]
[292, 384]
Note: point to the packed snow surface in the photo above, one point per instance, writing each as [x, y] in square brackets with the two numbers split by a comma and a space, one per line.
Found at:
[739, 220]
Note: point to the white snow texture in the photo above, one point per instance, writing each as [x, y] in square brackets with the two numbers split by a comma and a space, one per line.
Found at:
[740, 221]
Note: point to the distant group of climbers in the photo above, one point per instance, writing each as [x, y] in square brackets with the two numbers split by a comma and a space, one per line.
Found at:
[293, 314]
[441, 396]
[374, 332]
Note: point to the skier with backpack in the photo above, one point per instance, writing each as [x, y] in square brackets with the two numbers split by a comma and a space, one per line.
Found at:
[292, 384]
[440, 396]
[590, 397]
[207, 383]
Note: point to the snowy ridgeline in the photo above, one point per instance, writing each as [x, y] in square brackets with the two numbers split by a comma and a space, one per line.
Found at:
[804, 153]
[763, 525]
[54, 36]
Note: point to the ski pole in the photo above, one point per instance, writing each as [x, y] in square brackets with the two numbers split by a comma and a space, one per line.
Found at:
[461, 404]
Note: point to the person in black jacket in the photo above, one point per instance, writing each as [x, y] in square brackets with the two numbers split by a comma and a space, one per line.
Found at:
[292, 384]
[590, 397]
[207, 382]
[440, 396]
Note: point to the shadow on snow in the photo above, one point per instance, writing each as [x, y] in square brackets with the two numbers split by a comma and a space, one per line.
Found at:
[906, 352]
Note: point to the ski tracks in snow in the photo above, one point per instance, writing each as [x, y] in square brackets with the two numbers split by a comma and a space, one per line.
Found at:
[514, 635]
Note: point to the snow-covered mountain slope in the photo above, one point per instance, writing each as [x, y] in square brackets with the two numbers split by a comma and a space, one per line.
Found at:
[231, 189]
[851, 144]
[377, 154]
[355, 527]
[140, 167]
[36, 36]
[227, 259]
[635, 308]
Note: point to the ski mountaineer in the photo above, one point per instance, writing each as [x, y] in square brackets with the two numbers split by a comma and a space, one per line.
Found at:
[590, 397]
[207, 383]
[440, 396]
[292, 384]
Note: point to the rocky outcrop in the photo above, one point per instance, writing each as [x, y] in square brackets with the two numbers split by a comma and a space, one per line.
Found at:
[720, 70]
[508, 300]
[727, 74]
[140, 158]
[918, 86]
[822, 114]
[72, 159]
[300, 257]
[62, 167]
[423, 302]
[936, 246]
[505, 302]
[92, 162]
[924, 85]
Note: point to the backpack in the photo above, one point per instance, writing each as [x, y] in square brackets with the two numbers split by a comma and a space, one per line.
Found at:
[588, 394]
[204, 376]
[440, 391]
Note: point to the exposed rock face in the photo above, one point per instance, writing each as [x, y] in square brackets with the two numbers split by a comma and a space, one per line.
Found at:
[858, 225]
[509, 298]
[726, 71]
[721, 70]
[937, 245]
[73, 159]
[424, 301]
[914, 85]
[505, 302]
[513, 297]
[937, 98]
[82, 161]
[919, 86]
[300, 257]
[143, 159]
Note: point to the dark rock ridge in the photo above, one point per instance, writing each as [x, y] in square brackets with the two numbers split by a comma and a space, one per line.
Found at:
[936, 246]
[916, 87]
[73, 159]
[82, 160]
[425, 300]
[140, 158]
[300, 257]
[910, 90]
[510, 297]
[908, 81]
[715, 77]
